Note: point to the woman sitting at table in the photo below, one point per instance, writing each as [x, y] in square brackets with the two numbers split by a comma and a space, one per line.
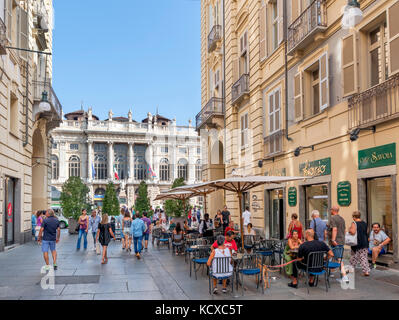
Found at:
[249, 241]
[290, 250]
[218, 221]
[177, 238]
[220, 252]
[186, 227]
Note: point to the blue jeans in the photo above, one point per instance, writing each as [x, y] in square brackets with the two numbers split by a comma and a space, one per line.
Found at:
[82, 232]
[137, 244]
[94, 236]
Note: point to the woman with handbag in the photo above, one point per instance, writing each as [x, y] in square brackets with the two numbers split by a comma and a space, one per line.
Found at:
[360, 250]
[104, 234]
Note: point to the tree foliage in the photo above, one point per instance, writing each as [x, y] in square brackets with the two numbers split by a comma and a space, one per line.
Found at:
[110, 203]
[142, 202]
[176, 207]
[74, 197]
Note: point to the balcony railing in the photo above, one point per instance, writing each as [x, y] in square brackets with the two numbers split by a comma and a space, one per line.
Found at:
[39, 87]
[240, 89]
[375, 105]
[214, 36]
[3, 37]
[274, 143]
[312, 20]
[212, 108]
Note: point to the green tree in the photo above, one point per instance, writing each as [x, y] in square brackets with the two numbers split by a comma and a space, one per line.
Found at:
[74, 198]
[176, 207]
[142, 202]
[110, 203]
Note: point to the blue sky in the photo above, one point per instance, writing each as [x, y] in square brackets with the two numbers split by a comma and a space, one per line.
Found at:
[136, 54]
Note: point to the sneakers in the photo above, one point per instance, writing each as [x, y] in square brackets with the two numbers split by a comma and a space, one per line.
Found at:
[224, 290]
[47, 268]
[293, 285]
[55, 266]
[374, 265]
[215, 290]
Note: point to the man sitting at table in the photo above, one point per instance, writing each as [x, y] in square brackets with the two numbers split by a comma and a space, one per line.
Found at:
[230, 228]
[306, 248]
[229, 242]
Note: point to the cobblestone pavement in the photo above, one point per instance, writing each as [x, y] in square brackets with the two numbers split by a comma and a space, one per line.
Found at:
[158, 275]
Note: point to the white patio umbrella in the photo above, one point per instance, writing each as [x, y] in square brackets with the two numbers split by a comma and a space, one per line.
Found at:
[243, 184]
[202, 189]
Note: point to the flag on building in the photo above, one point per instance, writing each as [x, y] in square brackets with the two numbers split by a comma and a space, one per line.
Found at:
[151, 173]
[116, 173]
[93, 171]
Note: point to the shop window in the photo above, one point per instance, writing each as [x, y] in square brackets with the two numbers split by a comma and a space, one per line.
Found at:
[379, 200]
[316, 199]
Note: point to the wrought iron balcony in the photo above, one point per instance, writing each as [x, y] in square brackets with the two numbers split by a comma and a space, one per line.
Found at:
[39, 87]
[214, 36]
[3, 38]
[240, 89]
[274, 144]
[311, 21]
[375, 105]
[214, 107]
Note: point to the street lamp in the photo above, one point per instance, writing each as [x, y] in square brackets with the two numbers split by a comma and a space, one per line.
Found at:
[354, 134]
[352, 14]
[297, 151]
[44, 104]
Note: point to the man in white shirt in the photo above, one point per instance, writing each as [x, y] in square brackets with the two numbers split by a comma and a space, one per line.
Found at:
[246, 217]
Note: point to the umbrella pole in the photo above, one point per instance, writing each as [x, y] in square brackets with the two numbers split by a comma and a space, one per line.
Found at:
[205, 203]
[241, 224]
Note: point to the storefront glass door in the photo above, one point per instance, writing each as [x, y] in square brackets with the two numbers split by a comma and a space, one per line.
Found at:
[379, 203]
[316, 199]
[276, 214]
[9, 211]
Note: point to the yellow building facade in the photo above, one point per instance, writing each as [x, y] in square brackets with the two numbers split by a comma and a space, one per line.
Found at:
[306, 97]
[24, 125]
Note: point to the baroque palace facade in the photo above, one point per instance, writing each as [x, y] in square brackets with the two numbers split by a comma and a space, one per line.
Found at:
[25, 78]
[155, 150]
[286, 90]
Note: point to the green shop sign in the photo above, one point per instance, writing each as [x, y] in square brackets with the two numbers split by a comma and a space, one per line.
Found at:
[344, 193]
[377, 157]
[292, 196]
[315, 168]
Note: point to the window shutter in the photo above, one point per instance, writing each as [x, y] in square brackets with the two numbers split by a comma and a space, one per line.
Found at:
[349, 65]
[23, 37]
[294, 10]
[211, 83]
[262, 32]
[8, 17]
[298, 96]
[246, 130]
[242, 132]
[210, 17]
[393, 28]
[280, 8]
[277, 110]
[271, 113]
[324, 88]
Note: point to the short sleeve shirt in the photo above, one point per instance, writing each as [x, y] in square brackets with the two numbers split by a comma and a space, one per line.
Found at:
[379, 237]
[311, 246]
[225, 215]
[338, 222]
[50, 225]
[247, 217]
[228, 244]
[147, 221]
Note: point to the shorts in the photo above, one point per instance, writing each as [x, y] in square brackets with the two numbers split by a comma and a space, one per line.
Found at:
[381, 252]
[126, 232]
[46, 245]
[146, 236]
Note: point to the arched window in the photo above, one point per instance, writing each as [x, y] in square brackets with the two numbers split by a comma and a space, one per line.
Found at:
[198, 171]
[164, 170]
[182, 169]
[55, 167]
[120, 160]
[100, 161]
[74, 166]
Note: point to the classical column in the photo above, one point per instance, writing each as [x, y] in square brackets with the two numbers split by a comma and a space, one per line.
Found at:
[131, 162]
[110, 159]
[63, 163]
[191, 164]
[174, 163]
[90, 161]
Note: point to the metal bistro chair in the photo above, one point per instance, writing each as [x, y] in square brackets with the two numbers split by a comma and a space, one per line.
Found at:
[223, 270]
[278, 250]
[164, 240]
[251, 241]
[200, 258]
[335, 262]
[316, 266]
[249, 267]
[266, 248]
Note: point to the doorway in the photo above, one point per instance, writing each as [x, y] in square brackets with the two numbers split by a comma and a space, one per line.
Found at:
[317, 198]
[9, 211]
[276, 214]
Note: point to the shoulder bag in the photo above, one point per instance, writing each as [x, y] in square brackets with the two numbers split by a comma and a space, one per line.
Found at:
[351, 240]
